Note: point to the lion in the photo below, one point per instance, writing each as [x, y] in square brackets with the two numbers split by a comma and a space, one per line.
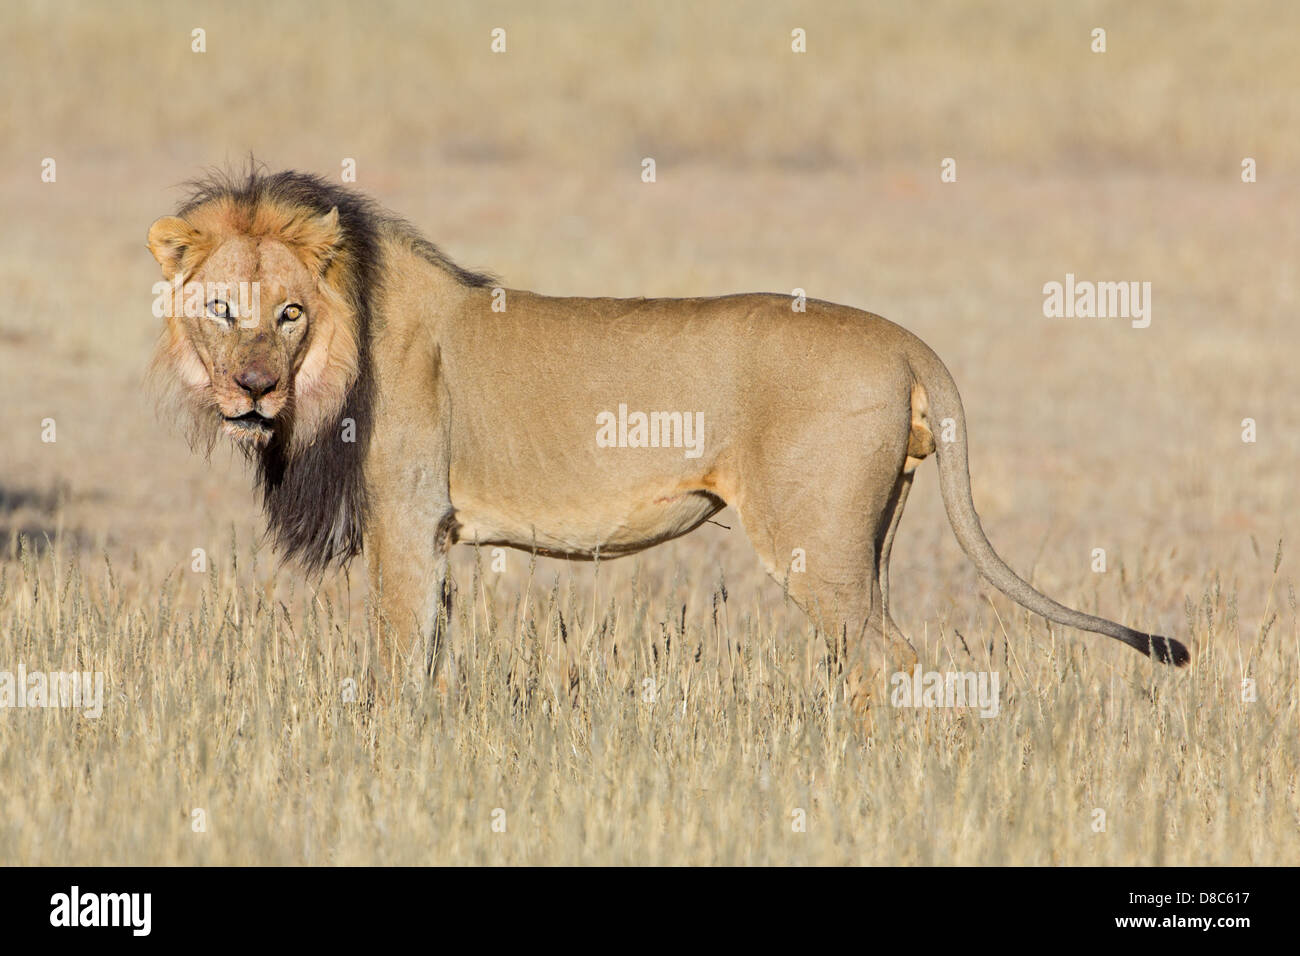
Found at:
[395, 404]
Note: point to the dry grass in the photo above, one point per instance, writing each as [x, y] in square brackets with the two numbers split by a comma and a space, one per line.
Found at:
[241, 709]
[225, 690]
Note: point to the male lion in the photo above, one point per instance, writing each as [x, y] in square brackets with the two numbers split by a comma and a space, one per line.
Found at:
[389, 407]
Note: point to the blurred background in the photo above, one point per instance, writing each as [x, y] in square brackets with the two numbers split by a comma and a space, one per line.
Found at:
[775, 170]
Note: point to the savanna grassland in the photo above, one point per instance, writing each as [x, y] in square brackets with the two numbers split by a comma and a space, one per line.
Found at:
[671, 707]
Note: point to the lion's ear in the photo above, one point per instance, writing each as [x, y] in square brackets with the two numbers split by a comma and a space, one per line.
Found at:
[169, 237]
[317, 239]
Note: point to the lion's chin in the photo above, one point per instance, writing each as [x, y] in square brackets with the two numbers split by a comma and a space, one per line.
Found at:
[249, 429]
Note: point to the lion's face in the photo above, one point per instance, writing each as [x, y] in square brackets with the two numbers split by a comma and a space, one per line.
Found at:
[252, 334]
[262, 340]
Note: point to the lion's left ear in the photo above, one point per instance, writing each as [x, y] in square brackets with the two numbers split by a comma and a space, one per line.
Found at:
[169, 237]
[317, 240]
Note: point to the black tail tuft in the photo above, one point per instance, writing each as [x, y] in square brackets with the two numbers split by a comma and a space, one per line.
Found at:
[1164, 649]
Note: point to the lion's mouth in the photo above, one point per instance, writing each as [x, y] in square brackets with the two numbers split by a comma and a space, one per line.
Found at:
[252, 425]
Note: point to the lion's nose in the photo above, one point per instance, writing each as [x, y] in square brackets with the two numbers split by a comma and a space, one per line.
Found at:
[256, 381]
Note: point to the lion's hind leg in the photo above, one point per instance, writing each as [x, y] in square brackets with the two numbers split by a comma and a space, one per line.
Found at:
[881, 622]
[825, 547]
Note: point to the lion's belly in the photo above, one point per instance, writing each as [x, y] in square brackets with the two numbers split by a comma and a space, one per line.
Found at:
[583, 531]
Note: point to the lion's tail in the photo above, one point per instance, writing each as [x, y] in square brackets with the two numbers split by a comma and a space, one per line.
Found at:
[945, 409]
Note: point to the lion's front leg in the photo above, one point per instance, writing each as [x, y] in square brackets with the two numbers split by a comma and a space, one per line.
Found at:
[407, 555]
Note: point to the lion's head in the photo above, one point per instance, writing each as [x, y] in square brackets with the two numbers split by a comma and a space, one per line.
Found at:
[261, 333]
[269, 279]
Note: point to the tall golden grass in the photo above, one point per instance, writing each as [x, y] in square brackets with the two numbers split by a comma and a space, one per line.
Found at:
[547, 745]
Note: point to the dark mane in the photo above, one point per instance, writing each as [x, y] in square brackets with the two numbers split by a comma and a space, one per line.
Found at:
[430, 253]
[315, 498]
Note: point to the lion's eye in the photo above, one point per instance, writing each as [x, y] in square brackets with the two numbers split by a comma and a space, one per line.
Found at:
[220, 309]
[292, 313]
